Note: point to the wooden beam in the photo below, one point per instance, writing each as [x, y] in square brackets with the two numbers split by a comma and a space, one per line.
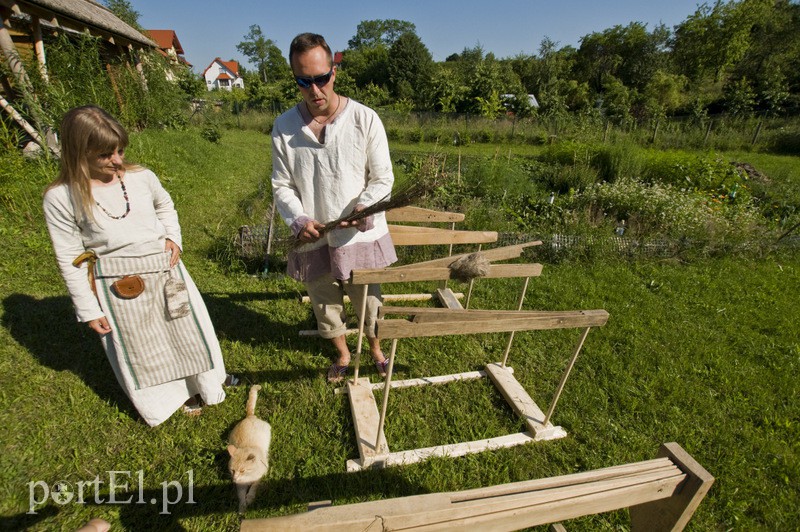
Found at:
[511, 506]
[495, 254]
[405, 329]
[518, 399]
[365, 420]
[433, 314]
[38, 45]
[396, 275]
[407, 235]
[418, 214]
[394, 297]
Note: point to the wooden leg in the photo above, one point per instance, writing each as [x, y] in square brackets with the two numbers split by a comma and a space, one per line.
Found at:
[566, 375]
[519, 307]
[386, 386]
[673, 513]
[361, 320]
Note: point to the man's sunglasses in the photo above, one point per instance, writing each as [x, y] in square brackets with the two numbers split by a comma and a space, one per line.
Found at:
[319, 81]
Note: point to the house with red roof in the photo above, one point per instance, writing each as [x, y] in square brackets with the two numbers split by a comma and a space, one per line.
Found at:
[169, 46]
[223, 75]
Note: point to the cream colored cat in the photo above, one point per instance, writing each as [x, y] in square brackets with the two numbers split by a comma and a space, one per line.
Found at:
[249, 449]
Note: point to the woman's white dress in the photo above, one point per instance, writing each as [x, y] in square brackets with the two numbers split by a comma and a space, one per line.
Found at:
[152, 219]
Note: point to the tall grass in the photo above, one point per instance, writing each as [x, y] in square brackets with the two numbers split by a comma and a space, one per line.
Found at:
[705, 353]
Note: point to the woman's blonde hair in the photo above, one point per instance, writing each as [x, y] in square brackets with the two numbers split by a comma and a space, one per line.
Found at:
[86, 132]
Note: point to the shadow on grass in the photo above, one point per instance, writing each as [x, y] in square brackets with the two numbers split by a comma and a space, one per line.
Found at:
[164, 508]
[47, 328]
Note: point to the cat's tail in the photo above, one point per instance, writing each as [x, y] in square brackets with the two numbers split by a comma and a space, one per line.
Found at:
[251, 400]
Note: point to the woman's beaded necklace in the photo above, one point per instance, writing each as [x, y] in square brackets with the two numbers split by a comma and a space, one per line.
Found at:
[127, 202]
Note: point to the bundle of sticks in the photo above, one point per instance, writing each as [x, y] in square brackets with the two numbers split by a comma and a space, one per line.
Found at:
[403, 195]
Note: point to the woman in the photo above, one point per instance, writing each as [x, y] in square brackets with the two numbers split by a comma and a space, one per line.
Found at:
[113, 223]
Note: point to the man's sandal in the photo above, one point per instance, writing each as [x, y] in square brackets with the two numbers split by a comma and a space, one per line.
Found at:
[231, 380]
[381, 367]
[336, 373]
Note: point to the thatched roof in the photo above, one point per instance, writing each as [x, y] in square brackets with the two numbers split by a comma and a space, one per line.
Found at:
[79, 15]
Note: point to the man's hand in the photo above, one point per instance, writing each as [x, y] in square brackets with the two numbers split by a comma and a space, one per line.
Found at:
[310, 232]
[358, 224]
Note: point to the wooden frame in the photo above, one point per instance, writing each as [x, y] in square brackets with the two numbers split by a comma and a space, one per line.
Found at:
[662, 495]
[369, 420]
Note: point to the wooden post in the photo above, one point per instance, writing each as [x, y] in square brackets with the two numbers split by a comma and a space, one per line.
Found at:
[387, 385]
[655, 131]
[38, 44]
[519, 307]
[708, 132]
[361, 320]
[566, 374]
[458, 175]
[758, 131]
[12, 56]
[23, 123]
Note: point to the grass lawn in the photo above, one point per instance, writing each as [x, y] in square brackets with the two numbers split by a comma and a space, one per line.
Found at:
[706, 354]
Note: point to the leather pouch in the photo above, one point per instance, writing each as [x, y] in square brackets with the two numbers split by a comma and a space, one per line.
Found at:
[129, 287]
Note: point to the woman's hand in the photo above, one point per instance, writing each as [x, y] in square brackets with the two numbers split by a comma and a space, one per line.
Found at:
[100, 326]
[173, 248]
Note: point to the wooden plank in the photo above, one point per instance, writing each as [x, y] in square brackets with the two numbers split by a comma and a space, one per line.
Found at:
[572, 497]
[663, 465]
[541, 508]
[453, 450]
[395, 297]
[406, 329]
[448, 299]
[408, 235]
[419, 214]
[436, 314]
[315, 332]
[428, 381]
[516, 396]
[396, 275]
[494, 254]
[365, 419]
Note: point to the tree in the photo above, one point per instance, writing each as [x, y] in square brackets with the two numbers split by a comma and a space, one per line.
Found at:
[410, 67]
[367, 66]
[629, 53]
[124, 11]
[370, 33]
[715, 38]
[264, 54]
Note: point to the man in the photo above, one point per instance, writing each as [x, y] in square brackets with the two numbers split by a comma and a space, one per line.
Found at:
[330, 157]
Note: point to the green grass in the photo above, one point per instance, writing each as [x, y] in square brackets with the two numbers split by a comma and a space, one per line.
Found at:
[705, 353]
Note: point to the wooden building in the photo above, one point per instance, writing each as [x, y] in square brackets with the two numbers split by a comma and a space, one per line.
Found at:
[22, 26]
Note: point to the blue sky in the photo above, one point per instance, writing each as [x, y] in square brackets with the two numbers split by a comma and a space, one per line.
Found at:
[209, 29]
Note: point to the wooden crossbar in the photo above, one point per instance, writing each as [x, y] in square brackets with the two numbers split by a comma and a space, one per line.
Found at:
[494, 254]
[410, 235]
[441, 273]
[662, 494]
[516, 321]
[419, 214]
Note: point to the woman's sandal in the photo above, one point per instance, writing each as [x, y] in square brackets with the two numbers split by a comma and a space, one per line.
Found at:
[381, 367]
[192, 407]
[336, 373]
